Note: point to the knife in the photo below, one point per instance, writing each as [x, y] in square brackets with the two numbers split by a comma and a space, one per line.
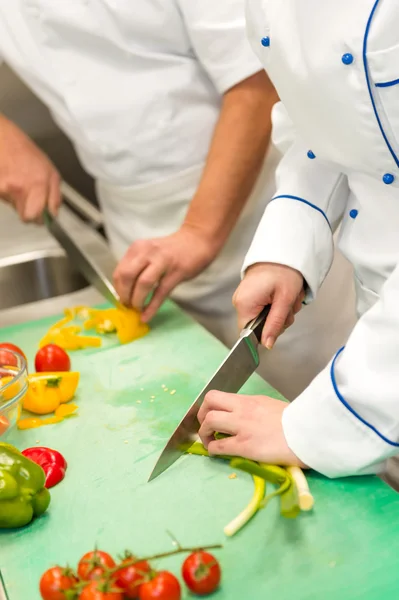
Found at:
[3, 591]
[240, 364]
[81, 260]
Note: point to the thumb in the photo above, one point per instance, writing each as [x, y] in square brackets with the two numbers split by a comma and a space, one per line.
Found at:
[275, 323]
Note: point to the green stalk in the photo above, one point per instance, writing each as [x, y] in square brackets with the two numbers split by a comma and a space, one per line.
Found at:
[250, 510]
[289, 502]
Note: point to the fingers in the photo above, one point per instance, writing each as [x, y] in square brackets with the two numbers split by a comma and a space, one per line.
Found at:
[217, 401]
[166, 285]
[126, 273]
[279, 313]
[226, 447]
[298, 302]
[31, 209]
[246, 309]
[54, 196]
[217, 421]
[146, 282]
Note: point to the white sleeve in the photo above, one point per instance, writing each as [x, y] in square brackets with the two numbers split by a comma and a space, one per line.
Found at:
[347, 421]
[297, 227]
[217, 31]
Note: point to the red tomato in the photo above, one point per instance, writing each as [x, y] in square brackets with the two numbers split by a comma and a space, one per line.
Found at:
[100, 590]
[93, 564]
[52, 358]
[130, 578]
[55, 582]
[164, 586]
[201, 573]
[6, 358]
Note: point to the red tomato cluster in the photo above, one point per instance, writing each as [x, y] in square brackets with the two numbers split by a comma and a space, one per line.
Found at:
[98, 577]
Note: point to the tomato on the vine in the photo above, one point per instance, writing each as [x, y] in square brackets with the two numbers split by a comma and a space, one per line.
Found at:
[130, 577]
[201, 573]
[52, 358]
[93, 564]
[100, 590]
[55, 582]
[164, 586]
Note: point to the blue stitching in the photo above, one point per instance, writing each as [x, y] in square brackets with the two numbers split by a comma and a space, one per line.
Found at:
[305, 202]
[351, 410]
[387, 83]
[365, 40]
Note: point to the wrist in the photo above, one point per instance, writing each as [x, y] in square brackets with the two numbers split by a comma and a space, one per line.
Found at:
[204, 235]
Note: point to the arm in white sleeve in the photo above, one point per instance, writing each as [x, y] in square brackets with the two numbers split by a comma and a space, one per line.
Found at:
[298, 224]
[217, 32]
[347, 421]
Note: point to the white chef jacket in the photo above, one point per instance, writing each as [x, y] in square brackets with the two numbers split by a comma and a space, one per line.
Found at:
[336, 69]
[137, 85]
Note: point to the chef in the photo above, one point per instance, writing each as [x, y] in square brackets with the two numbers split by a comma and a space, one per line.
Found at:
[336, 70]
[169, 110]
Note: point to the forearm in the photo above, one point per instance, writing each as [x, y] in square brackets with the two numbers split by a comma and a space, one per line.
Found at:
[236, 155]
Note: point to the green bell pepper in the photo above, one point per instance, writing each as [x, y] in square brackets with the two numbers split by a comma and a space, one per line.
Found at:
[22, 492]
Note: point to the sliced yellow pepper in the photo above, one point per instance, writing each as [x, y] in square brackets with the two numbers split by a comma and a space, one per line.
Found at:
[62, 412]
[125, 321]
[68, 339]
[47, 391]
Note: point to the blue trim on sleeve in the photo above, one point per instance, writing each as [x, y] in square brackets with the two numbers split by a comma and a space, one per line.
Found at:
[351, 410]
[304, 202]
[387, 83]
[366, 71]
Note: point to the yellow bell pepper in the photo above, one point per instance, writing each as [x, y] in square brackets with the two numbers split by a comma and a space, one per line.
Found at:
[47, 391]
[125, 321]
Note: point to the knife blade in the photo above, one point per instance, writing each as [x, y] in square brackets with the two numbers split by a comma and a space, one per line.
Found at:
[235, 370]
[3, 591]
[81, 260]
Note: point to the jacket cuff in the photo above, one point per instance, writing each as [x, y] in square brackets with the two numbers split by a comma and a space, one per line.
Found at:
[295, 233]
[328, 437]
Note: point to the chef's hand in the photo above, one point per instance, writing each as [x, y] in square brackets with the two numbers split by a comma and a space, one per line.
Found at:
[270, 283]
[28, 180]
[254, 424]
[159, 265]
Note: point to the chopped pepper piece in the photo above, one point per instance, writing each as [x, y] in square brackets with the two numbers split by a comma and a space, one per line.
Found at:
[125, 321]
[63, 411]
[47, 391]
[22, 492]
[68, 338]
[52, 462]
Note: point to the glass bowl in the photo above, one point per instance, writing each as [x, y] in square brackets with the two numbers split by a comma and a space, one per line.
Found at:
[13, 387]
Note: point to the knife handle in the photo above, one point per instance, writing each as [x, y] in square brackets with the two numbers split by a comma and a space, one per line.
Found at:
[257, 324]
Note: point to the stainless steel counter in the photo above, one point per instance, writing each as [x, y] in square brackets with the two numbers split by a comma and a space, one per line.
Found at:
[22, 243]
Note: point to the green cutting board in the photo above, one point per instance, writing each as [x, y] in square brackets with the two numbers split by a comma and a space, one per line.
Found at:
[346, 549]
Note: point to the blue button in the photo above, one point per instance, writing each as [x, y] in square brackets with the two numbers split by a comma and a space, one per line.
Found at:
[353, 213]
[347, 59]
[311, 154]
[265, 41]
[388, 178]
